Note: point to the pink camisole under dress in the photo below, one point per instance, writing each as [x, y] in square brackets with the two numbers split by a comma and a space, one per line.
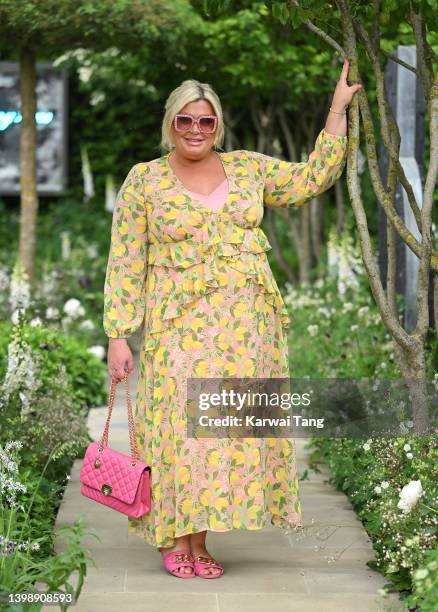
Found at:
[216, 199]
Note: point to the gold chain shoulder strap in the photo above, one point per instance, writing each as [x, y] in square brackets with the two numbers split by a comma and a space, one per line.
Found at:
[104, 440]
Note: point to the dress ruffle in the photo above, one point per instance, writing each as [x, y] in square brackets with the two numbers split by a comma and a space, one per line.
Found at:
[200, 261]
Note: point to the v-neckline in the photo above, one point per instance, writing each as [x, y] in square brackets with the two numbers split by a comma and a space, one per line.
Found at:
[201, 195]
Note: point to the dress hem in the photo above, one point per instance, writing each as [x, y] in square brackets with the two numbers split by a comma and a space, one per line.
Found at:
[292, 526]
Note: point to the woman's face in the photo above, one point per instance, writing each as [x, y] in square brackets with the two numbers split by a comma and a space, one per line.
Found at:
[194, 144]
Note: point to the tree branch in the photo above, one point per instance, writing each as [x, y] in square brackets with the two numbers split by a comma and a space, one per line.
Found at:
[370, 263]
[424, 53]
[388, 124]
[397, 60]
[326, 37]
[426, 217]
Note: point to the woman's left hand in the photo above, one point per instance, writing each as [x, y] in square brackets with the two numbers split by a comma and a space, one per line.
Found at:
[344, 92]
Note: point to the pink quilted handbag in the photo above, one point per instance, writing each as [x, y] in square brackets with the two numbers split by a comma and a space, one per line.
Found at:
[112, 478]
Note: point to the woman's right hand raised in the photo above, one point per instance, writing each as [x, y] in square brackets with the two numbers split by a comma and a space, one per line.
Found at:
[119, 359]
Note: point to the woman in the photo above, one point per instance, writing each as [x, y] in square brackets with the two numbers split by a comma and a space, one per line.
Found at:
[188, 258]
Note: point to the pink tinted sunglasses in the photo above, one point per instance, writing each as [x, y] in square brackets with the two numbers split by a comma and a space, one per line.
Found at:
[206, 123]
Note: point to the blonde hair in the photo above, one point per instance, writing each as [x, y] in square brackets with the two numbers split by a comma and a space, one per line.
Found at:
[190, 91]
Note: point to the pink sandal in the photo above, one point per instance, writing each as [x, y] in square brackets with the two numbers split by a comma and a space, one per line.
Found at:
[179, 558]
[200, 564]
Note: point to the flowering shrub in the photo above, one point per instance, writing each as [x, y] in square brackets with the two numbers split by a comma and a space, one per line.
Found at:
[336, 329]
[37, 400]
[393, 485]
[44, 418]
[53, 354]
[26, 547]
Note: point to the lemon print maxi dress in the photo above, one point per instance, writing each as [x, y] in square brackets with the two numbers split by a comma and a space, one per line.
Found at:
[200, 283]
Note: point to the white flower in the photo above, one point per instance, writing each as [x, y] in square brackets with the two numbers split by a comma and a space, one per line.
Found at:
[112, 51]
[366, 446]
[92, 250]
[409, 495]
[86, 324]
[4, 278]
[19, 290]
[73, 308]
[348, 306]
[324, 311]
[313, 330]
[16, 314]
[36, 322]
[22, 373]
[85, 73]
[66, 322]
[97, 97]
[97, 350]
[421, 574]
[363, 311]
[409, 455]
[407, 447]
[354, 328]
[9, 488]
[384, 484]
[377, 489]
[52, 312]
[79, 54]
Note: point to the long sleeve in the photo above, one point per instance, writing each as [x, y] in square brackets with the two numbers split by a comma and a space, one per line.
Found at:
[124, 290]
[291, 184]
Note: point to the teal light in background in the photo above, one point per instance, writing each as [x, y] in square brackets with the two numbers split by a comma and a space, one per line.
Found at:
[8, 118]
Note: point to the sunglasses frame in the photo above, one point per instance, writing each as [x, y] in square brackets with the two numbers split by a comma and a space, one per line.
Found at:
[194, 120]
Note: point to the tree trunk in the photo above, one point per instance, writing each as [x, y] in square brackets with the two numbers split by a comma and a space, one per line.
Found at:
[340, 206]
[304, 245]
[435, 301]
[316, 216]
[412, 365]
[28, 143]
[276, 248]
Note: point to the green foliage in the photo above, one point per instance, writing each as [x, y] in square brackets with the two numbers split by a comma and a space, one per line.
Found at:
[53, 26]
[80, 275]
[425, 594]
[85, 372]
[335, 335]
[434, 354]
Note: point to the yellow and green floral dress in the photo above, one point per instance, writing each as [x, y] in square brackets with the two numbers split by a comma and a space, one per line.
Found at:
[200, 282]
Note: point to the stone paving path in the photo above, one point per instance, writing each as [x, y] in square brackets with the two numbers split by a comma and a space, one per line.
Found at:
[264, 570]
